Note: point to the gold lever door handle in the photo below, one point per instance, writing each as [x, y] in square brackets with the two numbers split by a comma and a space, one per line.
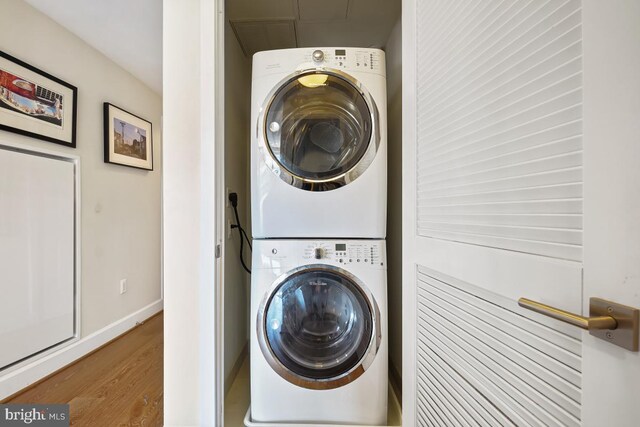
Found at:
[610, 321]
[588, 323]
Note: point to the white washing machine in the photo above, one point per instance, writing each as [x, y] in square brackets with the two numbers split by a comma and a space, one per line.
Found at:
[319, 143]
[319, 332]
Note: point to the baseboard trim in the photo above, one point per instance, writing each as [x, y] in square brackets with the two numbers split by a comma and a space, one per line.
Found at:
[32, 373]
[228, 382]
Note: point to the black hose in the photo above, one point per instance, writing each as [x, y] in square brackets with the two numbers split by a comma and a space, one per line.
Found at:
[246, 237]
[233, 198]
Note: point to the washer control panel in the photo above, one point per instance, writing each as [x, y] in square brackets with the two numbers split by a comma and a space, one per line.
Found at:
[349, 252]
[283, 255]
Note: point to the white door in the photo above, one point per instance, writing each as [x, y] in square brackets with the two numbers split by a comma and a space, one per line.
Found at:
[519, 180]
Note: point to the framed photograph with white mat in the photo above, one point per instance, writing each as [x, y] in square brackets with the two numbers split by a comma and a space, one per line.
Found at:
[127, 138]
[35, 103]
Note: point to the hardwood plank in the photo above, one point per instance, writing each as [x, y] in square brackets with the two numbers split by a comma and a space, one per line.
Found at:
[120, 384]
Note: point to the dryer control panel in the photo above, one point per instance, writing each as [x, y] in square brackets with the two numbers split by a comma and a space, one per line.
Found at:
[351, 60]
[348, 59]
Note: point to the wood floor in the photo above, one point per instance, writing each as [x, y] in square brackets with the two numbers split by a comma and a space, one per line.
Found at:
[118, 385]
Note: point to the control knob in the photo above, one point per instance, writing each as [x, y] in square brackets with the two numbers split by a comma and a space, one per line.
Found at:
[318, 55]
[318, 253]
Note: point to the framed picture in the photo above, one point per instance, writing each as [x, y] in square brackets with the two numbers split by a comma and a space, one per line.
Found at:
[127, 138]
[35, 103]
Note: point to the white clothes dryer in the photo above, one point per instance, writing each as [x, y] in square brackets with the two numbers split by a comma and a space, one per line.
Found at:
[319, 143]
[319, 332]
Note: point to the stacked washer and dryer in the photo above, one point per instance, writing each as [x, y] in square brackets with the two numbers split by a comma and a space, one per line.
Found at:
[319, 286]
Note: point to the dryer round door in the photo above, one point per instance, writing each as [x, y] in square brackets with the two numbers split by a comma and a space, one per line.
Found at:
[319, 327]
[320, 130]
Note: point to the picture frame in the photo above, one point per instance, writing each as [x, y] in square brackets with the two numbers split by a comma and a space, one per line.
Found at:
[128, 139]
[35, 103]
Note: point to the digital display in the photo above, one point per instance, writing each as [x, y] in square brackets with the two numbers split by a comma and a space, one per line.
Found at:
[341, 52]
[341, 247]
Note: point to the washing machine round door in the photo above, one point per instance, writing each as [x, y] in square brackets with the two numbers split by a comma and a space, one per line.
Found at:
[321, 130]
[319, 327]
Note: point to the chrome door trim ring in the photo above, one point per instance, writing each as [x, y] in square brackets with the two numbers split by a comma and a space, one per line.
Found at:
[328, 383]
[311, 184]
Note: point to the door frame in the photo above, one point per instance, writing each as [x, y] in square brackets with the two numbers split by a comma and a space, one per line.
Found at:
[218, 60]
[192, 212]
[409, 293]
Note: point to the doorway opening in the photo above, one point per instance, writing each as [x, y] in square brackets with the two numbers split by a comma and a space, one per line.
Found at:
[250, 28]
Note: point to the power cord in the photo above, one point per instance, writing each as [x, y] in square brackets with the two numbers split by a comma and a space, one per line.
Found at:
[233, 198]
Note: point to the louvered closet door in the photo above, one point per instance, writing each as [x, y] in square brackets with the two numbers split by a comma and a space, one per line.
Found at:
[492, 211]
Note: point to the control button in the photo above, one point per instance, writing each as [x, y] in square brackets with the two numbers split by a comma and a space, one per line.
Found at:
[274, 251]
[357, 260]
[318, 55]
[366, 260]
[318, 252]
[340, 260]
[350, 260]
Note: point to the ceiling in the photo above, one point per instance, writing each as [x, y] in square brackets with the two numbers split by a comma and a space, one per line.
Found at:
[275, 24]
[129, 32]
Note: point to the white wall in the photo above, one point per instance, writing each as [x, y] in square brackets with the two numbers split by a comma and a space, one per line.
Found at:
[393, 49]
[120, 232]
[120, 220]
[236, 141]
[191, 365]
